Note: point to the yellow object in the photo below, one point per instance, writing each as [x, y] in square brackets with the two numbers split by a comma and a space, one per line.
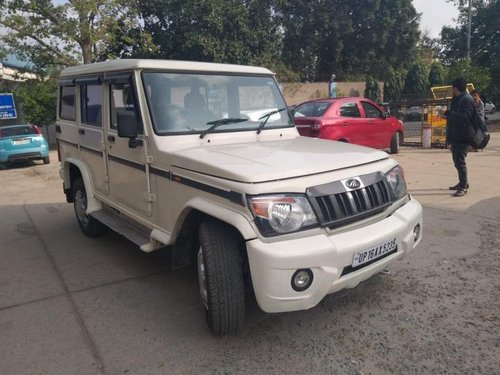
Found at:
[446, 92]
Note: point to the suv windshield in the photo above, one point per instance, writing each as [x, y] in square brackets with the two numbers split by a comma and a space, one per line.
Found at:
[191, 103]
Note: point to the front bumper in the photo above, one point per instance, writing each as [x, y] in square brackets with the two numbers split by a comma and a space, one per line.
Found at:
[273, 264]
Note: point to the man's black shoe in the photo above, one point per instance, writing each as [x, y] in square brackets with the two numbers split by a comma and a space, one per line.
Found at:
[457, 187]
[460, 193]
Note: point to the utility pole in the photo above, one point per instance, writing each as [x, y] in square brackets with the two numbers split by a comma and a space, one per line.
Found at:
[469, 26]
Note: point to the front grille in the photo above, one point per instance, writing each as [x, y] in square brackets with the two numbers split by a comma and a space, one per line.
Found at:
[342, 207]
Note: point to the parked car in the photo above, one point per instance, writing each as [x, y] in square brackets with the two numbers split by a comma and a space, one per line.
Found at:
[489, 108]
[205, 158]
[21, 143]
[353, 120]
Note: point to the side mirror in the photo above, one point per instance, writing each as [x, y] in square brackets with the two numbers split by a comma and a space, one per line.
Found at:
[128, 128]
[385, 115]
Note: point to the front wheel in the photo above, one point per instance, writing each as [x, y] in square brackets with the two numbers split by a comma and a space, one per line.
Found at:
[395, 143]
[89, 226]
[220, 276]
[46, 160]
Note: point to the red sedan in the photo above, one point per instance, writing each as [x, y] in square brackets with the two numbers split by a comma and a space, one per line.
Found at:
[353, 120]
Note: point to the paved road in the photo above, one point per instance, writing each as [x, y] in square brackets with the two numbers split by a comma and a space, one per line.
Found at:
[74, 305]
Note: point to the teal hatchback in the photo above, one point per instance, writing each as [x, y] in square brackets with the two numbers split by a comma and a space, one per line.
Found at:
[21, 143]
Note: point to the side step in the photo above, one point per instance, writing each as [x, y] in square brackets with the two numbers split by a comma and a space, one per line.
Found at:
[128, 231]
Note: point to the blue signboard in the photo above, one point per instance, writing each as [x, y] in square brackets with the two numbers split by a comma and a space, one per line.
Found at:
[7, 107]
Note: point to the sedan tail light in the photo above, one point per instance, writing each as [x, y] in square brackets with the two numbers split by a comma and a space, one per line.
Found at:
[36, 129]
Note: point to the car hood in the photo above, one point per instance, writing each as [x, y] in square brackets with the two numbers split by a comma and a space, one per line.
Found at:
[274, 160]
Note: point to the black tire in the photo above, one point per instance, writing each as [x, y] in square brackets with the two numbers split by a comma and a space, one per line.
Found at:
[46, 160]
[395, 143]
[89, 226]
[220, 270]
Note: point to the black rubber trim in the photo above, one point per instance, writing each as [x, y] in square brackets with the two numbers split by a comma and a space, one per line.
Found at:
[230, 195]
[161, 173]
[91, 150]
[129, 163]
[349, 269]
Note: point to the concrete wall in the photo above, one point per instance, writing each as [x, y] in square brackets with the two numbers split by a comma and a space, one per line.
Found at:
[296, 93]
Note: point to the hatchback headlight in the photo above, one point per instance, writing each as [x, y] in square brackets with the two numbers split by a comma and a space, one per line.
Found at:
[279, 214]
[396, 179]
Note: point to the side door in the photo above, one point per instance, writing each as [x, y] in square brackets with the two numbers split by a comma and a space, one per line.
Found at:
[379, 130]
[90, 130]
[128, 180]
[352, 123]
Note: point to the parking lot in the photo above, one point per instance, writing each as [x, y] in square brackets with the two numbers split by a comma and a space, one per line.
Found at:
[74, 305]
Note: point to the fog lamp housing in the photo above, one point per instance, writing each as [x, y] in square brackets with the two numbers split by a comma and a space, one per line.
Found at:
[302, 279]
[416, 232]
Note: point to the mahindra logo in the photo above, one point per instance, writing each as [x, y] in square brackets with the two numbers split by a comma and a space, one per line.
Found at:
[353, 183]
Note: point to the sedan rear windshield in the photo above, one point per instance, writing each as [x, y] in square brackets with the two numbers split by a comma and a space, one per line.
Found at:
[18, 130]
[315, 109]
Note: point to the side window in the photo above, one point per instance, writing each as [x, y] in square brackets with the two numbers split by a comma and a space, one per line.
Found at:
[371, 111]
[123, 104]
[91, 96]
[67, 104]
[349, 110]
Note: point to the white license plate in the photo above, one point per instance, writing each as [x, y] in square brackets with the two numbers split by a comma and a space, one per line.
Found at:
[375, 252]
[21, 141]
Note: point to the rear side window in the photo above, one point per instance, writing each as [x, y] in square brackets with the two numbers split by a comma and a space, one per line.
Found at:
[91, 96]
[349, 110]
[67, 104]
[123, 104]
[315, 109]
[371, 111]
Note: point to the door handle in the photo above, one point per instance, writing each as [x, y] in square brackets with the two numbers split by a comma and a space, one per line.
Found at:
[111, 138]
[81, 131]
[345, 123]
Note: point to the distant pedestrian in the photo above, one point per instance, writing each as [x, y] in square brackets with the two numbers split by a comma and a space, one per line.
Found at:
[479, 103]
[458, 131]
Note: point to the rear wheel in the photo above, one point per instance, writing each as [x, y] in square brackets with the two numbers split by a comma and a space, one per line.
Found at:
[89, 226]
[46, 160]
[395, 143]
[220, 277]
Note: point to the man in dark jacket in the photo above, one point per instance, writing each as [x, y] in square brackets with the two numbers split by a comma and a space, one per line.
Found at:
[459, 131]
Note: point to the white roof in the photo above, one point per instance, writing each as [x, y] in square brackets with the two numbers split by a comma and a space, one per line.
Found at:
[170, 65]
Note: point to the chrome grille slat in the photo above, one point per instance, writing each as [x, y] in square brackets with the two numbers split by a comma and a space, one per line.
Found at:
[348, 206]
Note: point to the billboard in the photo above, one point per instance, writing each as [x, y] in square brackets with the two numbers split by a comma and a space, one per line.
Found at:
[7, 107]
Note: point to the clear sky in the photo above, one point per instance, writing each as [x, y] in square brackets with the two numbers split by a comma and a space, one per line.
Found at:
[435, 15]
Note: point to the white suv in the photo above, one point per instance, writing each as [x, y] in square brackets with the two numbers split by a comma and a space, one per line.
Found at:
[205, 158]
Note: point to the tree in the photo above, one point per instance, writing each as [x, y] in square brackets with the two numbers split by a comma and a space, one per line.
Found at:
[436, 74]
[416, 79]
[372, 90]
[472, 73]
[393, 85]
[350, 38]
[73, 32]
[39, 101]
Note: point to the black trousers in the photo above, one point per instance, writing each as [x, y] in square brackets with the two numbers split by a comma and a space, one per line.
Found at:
[459, 153]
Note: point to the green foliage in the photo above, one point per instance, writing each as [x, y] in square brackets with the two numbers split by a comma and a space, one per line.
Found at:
[372, 90]
[416, 79]
[69, 33]
[39, 100]
[472, 73]
[347, 37]
[393, 85]
[436, 74]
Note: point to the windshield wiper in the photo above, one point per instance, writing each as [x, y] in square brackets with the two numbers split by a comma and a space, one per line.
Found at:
[266, 117]
[222, 121]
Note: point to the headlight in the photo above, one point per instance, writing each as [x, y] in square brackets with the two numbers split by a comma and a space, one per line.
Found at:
[282, 213]
[396, 179]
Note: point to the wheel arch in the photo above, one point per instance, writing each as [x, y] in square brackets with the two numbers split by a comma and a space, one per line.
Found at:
[73, 169]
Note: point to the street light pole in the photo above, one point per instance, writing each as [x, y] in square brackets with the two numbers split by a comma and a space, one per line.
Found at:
[469, 26]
